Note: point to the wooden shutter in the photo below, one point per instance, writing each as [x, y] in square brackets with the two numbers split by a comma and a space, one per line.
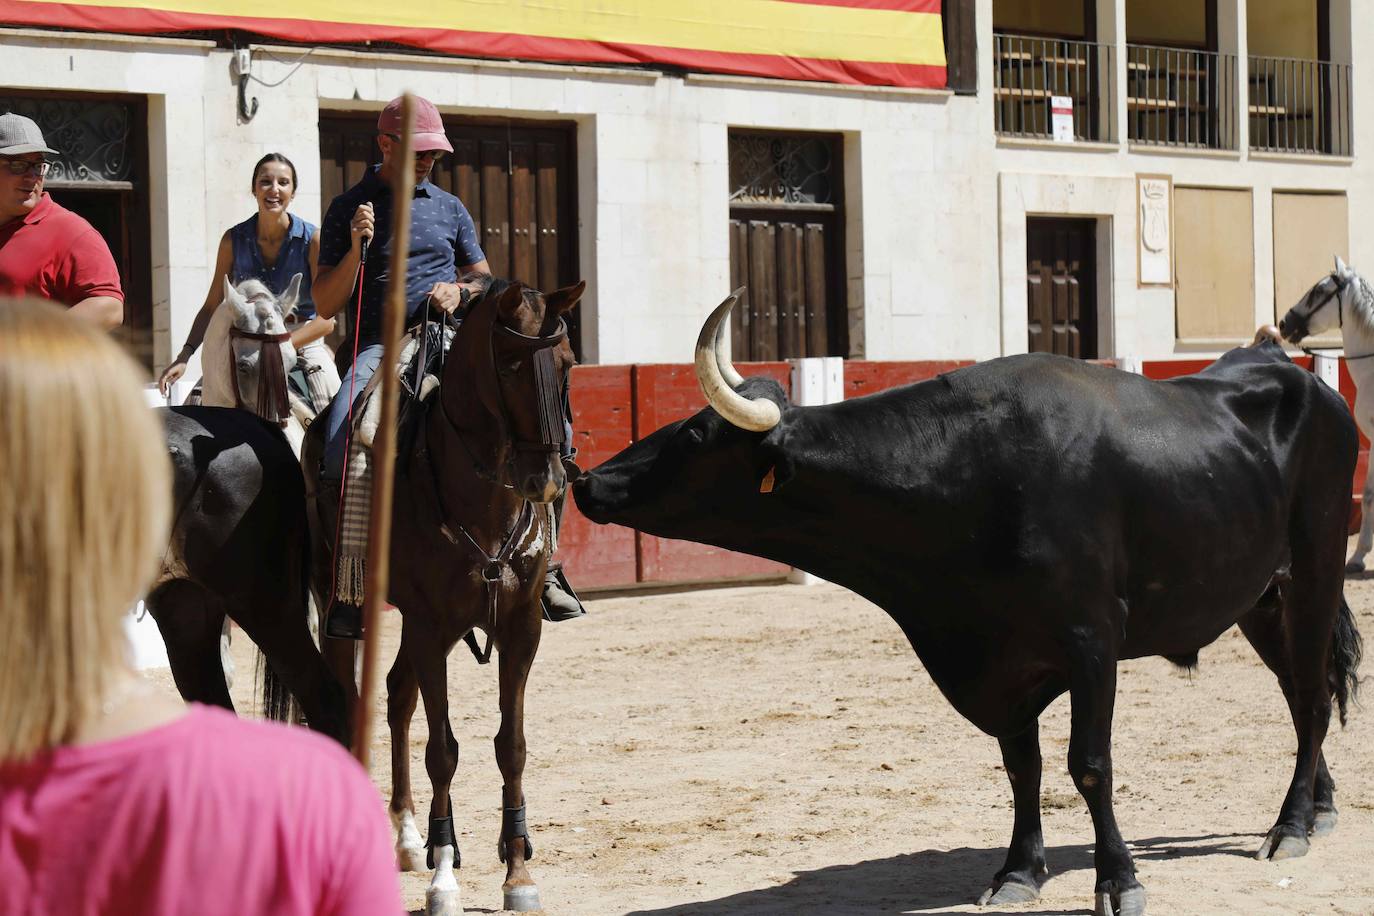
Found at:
[1214, 265]
[961, 45]
[1309, 231]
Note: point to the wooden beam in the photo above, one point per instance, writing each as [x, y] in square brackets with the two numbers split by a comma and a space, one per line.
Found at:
[384, 444]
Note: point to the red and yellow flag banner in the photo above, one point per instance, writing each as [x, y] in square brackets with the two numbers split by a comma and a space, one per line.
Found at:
[868, 42]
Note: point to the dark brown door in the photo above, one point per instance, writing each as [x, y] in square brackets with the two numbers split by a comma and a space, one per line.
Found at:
[1061, 286]
[516, 179]
[786, 246]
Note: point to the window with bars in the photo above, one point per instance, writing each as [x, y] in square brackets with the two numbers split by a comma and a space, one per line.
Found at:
[786, 245]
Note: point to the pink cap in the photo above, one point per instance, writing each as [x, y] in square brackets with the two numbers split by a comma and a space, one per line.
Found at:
[429, 127]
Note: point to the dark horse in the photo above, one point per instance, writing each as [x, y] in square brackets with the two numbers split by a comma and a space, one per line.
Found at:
[240, 546]
[470, 545]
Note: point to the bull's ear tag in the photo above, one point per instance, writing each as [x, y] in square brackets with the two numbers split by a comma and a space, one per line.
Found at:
[766, 485]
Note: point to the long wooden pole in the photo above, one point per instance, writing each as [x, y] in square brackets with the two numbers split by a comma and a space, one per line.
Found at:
[384, 444]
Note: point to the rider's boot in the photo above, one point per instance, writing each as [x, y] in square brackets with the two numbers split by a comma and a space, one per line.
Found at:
[343, 620]
[560, 601]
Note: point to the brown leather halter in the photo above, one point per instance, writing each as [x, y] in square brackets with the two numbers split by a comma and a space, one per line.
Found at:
[272, 399]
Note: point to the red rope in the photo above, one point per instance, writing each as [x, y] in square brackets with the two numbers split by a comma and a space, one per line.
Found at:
[348, 438]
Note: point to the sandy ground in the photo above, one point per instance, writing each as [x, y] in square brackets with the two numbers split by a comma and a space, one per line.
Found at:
[778, 750]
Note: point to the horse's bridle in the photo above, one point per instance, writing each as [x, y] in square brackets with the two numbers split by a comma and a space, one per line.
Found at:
[271, 374]
[548, 393]
[1337, 294]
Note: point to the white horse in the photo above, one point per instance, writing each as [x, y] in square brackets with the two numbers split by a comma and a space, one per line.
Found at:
[245, 343]
[1345, 299]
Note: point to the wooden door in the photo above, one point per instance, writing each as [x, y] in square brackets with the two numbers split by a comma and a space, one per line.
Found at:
[786, 247]
[1061, 286]
[516, 179]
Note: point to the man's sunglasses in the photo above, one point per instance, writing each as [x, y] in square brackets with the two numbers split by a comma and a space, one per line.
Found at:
[434, 155]
[24, 166]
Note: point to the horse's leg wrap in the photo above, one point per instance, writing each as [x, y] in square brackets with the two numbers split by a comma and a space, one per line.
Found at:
[513, 828]
[441, 834]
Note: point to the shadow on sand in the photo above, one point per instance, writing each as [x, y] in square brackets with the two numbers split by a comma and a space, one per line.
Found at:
[928, 882]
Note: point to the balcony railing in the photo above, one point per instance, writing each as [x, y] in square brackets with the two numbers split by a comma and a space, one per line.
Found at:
[1028, 72]
[1181, 97]
[1300, 106]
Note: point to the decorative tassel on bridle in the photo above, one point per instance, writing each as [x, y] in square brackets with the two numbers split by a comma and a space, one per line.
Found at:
[273, 404]
[550, 397]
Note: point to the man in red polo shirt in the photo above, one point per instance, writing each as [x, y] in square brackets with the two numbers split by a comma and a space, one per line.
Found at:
[45, 249]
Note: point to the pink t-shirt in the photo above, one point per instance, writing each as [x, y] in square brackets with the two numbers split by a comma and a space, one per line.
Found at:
[206, 815]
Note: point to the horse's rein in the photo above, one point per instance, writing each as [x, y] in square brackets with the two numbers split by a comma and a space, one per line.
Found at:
[272, 394]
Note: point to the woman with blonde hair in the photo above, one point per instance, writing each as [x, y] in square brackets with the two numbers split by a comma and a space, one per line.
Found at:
[115, 797]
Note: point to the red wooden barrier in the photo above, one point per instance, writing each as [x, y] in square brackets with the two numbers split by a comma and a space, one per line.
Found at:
[598, 555]
[863, 377]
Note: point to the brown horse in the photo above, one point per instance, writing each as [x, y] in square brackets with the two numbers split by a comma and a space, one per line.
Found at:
[470, 546]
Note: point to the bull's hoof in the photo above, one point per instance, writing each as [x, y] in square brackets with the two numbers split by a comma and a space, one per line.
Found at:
[1130, 902]
[1282, 843]
[411, 859]
[1324, 823]
[1008, 892]
[443, 902]
[520, 899]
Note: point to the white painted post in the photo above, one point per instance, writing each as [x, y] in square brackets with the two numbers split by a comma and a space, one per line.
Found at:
[145, 641]
[816, 380]
[1328, 369]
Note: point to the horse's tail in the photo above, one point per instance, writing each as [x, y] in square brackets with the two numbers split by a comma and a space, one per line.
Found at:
[1347, 648]
[278, 703]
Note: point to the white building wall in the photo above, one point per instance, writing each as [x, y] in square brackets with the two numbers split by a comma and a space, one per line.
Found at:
[935, 204]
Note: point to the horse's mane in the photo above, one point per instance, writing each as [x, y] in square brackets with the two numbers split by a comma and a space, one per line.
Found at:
[1362, 304]
[253, 288]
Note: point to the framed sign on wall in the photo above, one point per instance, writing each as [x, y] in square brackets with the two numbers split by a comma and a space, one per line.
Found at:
[1154, 230]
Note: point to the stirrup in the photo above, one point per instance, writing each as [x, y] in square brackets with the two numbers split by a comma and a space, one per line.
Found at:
[553, 613]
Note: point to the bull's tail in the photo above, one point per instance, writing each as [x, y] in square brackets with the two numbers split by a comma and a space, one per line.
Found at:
[1347, 648]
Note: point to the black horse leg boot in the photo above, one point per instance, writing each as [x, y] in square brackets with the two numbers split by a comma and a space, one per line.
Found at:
[560, 601]
[343, 620]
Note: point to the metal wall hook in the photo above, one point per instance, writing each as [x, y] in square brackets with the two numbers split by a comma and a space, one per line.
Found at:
[241, 67]
[246, 110]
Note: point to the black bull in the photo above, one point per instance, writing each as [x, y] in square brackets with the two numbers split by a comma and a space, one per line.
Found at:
[1032, 520]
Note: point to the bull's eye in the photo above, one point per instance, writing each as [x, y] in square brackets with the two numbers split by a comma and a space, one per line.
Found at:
[692, 437]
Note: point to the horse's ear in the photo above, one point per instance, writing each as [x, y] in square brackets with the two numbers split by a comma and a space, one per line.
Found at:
[1341, 269]
[511, 298]
[562, 301]
[291, 298]
[231, 295]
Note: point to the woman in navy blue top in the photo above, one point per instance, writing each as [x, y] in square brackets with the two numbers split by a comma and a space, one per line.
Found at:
[272, 245]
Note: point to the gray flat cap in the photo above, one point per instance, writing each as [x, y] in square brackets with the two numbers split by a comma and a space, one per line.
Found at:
[20, 135]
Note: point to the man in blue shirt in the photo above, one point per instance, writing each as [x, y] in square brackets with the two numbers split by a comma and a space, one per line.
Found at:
[443, 247]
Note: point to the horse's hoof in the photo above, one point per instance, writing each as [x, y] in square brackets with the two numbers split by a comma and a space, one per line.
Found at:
[1279, 845]
[411, 860]
[1324, 823]
[1130, 902]
[1008, 892]
[1355, 567]
[521, 899]
[443, 902]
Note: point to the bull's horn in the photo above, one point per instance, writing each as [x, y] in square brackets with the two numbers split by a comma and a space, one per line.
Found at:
[723, 361]
[714, 371]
